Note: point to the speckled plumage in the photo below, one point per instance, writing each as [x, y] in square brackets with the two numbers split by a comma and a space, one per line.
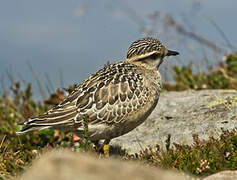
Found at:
[143, 46]
[116, 99]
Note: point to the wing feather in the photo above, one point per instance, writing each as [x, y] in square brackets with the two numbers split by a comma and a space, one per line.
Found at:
[106, 97]
[116, 93]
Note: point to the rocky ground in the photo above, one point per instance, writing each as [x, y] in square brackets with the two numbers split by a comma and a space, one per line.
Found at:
[182, 114]
[63, 165]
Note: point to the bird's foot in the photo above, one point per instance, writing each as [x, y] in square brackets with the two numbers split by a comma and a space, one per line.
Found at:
[106, 147]
[102, 148]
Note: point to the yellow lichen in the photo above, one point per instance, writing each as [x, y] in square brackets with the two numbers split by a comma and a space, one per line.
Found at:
[230, 101]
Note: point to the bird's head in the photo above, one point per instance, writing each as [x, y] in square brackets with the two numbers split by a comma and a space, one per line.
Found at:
[148, 52]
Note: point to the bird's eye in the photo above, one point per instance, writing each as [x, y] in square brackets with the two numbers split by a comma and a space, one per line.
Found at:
[154, 56]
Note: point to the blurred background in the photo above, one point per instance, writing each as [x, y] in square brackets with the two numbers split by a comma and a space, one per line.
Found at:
[51, 44]
[59, 43]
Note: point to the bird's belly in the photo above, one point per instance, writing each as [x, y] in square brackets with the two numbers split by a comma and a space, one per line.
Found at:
[131, 121]
[138, 117]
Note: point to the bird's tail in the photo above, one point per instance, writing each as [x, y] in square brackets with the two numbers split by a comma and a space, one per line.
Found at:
[51, 119]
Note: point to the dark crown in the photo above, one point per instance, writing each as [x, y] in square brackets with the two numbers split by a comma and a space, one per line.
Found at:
[143, 46]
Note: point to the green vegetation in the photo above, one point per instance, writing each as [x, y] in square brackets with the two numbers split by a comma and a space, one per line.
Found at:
[223, 77]
[203, 158]
[17, 152]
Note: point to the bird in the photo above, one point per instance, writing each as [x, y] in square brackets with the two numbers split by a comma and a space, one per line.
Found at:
[116, 99]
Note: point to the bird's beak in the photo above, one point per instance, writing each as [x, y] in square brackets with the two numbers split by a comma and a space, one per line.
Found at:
[172, 53]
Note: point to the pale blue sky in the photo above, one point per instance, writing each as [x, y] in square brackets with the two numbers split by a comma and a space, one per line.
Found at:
[78, 37]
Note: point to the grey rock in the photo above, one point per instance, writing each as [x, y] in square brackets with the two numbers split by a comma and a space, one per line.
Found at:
[223, 175]
[182, 114]
[66, 165]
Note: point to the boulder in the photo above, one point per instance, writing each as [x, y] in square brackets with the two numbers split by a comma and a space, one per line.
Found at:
[223, 175]
[182, 114]
[62, 165]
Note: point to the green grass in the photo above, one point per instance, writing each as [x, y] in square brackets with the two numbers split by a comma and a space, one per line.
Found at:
[221, 77]
[203, 158]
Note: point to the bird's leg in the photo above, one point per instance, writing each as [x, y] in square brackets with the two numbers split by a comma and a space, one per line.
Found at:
[97, 144]
[106, 141]
[106, 147]
[102, 148]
